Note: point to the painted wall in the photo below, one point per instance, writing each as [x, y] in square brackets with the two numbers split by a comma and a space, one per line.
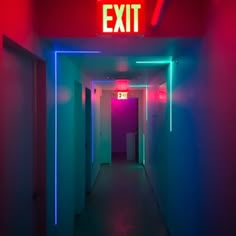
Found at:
[124, 121]
[96, 143]
[219, 114]
[17, 23]
[172, 162]
[105, 124]
[71, 144]
[17, 136]
[193, 168]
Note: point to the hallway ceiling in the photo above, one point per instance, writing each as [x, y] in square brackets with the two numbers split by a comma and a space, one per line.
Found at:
[129, 46]
[119, 55]
[110, 68]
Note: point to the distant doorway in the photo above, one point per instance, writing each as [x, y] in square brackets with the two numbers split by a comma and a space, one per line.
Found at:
[124, 126]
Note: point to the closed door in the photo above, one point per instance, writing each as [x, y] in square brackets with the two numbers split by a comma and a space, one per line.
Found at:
[24, 135]
[19, 124]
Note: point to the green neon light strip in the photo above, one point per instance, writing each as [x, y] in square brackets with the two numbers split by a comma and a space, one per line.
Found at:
[138, 86]
[144, 147]
[170, 63]
[153, 62]
[171, 96]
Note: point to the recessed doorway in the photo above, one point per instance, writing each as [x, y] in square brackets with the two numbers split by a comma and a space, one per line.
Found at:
[124, 126]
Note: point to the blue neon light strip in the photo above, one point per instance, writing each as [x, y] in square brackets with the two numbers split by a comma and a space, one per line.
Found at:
[103, 82]
[55, 147]
[77, 52]
[56, 53]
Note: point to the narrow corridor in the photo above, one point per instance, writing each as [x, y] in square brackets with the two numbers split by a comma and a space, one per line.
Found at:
[121, 204]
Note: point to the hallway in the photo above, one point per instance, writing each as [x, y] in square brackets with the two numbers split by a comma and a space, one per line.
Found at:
[67, 68]
[121, 204]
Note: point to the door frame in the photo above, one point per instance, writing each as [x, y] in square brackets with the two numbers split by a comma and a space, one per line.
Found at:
[39, 135]
[88, 139]
[138, 129]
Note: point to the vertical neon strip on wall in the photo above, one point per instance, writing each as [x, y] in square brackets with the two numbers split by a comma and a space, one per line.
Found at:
[56, 53]
[144, 150]
[92, 107]
[170, 63]
[146, 102]
[171, 96]
[55, 143]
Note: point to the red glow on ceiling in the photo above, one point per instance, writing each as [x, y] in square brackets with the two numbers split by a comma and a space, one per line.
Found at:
[122, 85]
[157, 12]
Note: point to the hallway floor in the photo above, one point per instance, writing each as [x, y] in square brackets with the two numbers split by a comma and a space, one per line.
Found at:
[121, 204]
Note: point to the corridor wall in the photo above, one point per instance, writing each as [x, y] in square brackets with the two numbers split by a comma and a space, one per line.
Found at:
[69, 199]
[192, 169]
[16, 24]
[96, 133]
[172, 161]
[218, 117]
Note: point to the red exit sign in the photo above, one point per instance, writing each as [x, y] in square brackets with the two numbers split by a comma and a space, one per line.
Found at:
[120, 17]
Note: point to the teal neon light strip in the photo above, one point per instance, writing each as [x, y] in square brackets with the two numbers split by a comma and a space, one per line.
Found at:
[138, 86]
[144, 150]
[170, 63]
[146, 103]
[171, 96]
[154, 62]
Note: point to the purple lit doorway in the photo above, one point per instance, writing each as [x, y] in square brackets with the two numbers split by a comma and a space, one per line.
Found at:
[124, 121]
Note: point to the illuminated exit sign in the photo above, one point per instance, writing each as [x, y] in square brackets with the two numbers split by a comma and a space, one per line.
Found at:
[117, 17]
[122, 95]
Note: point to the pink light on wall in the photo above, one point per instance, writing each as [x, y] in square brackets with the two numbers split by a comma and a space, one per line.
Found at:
[162, 93]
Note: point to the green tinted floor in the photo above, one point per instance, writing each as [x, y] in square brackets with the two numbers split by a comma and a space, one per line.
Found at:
[121, 204]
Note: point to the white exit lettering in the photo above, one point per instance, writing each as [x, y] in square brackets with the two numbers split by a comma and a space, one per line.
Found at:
[122, 95]
[126, 9]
